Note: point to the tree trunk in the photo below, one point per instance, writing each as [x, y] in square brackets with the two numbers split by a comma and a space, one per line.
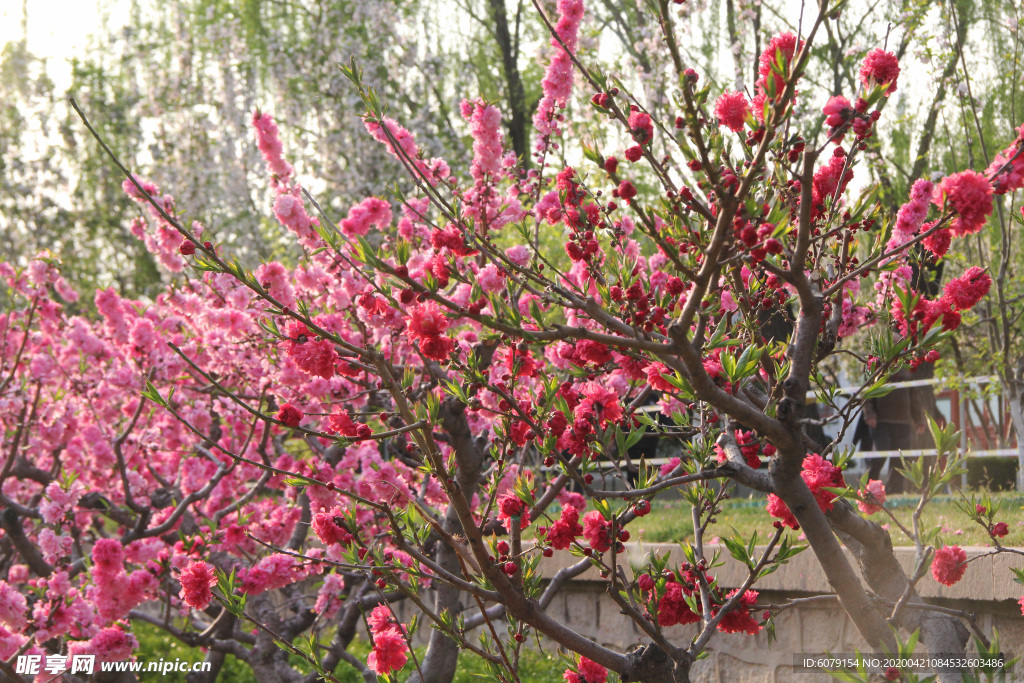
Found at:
[442, 657]
[214, 657]
[649, 664]
[841, 577]
[513, 82]
[871, 545]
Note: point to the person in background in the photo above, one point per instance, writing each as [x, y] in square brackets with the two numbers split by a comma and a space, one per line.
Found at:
[893, 420]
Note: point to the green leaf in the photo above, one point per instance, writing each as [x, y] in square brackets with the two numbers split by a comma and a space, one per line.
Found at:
[879, 389]
[728, 365]
[635, 435]
[1018, 575]
[153, 395]
[738, 551]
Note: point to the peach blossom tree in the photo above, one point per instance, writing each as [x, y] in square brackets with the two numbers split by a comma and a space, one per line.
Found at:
[267, 463]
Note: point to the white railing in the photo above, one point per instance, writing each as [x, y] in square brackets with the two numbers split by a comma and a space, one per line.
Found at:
[861, 456]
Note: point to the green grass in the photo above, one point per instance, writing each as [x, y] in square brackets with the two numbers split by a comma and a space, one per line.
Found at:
[534, 667]
[669, 521]
[154, 644]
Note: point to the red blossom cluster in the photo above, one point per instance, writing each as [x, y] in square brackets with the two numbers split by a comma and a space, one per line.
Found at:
[732, 109]
[673, 607]
[818, 474]
[750, 448]
[880, 69]
[586, 671]
[949, 564]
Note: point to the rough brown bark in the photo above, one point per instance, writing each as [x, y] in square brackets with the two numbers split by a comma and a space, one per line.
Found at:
[833, 561]
[442, 657]
[513, 81]
[871, 545]
[786, 469]
[649, 664]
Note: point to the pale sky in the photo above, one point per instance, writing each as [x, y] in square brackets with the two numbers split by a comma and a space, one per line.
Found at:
[58, 29]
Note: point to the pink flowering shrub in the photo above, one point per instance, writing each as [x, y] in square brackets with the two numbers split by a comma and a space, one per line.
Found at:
[433, 402]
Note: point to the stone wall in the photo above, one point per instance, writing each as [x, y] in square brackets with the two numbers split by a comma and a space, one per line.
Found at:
[987, 590]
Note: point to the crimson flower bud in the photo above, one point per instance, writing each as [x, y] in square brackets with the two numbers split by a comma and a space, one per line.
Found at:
[627, 190]
[289, 415]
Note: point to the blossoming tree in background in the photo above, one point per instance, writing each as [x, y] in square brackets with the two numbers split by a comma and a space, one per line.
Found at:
[266, 463]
